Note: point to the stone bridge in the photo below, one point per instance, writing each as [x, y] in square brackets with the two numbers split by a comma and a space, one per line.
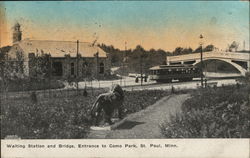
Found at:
[241, 61]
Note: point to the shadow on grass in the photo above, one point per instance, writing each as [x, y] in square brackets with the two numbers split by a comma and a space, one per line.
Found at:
[129, 125]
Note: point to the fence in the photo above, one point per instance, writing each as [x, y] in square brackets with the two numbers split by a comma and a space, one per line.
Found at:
[92, 88]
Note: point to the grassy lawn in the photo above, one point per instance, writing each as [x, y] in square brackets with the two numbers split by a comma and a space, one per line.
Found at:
[65, 117]
[30, 85]
[212, 113]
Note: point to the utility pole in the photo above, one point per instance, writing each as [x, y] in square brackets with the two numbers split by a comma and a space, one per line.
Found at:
[77, 61]
[121, 67]
[141, 69]
[85, 73]
[201, 37]
[97, 65]
[249, 62]
[50, 71]
[124, 61]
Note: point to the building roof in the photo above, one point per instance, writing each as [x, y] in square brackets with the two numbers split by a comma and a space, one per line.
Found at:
[60, 48]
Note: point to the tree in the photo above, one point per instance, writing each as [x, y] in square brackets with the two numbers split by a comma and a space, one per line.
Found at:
[132, 57]
[41, 66]
[152, 50]
[161, 52]
[197, 50]
[233, 46]
[11, 68]
[115, 54]
[139, 48]
[187, 50]
[209, 48]
[178, 51]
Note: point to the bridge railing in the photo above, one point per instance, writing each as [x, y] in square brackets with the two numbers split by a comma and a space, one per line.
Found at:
[213, 54]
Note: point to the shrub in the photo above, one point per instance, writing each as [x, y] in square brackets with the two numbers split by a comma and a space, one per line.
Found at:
[33, 84]
[62, 117]
[210, 113]
[138, 100]
[51, 120]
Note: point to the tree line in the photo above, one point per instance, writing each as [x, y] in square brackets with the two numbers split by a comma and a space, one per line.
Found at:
[135, 60]
[140, 59]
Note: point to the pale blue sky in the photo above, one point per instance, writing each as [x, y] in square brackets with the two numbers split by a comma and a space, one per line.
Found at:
[159, 24]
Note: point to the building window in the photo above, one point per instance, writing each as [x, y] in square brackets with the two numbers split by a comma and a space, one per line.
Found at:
[57, 69]
[72, 69]
[84, 68]
[101, 68]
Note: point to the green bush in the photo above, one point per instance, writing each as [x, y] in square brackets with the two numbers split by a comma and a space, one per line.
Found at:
[138, 100]
[62, 118]
[212, 113]
[32, 84]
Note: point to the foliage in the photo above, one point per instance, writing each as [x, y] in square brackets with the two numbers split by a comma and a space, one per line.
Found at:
[138, 100]
[181, 51]
[246, 79]
[233, 46]
[131, 58]
[178, 51]
[3, 52]
[212, 113]
[62, 117]
[13, 77]
[139, 59]
[55, 119]
[30, 84]
[41, 66]
[209, 48]
[11, 68]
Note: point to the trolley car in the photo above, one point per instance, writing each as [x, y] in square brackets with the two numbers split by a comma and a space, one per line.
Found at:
[167, 73]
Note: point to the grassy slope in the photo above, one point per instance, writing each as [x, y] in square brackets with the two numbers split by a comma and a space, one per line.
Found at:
[212, 113]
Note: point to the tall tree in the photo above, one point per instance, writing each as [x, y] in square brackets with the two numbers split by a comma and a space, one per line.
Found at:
[178, 51]
[233, 46]
[209, 48]
[197, 50]
[139, 48]
[187, 50]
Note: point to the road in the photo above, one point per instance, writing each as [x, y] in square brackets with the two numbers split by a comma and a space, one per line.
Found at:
[145, 123]
[131, 85]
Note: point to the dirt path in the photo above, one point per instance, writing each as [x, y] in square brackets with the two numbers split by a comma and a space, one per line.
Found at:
[145, 124]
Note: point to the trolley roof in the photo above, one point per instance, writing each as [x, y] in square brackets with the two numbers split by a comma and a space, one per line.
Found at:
[172, 66]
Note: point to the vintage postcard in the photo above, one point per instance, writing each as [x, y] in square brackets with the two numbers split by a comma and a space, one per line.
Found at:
[125, 79]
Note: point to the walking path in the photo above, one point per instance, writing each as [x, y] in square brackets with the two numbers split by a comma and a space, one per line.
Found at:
[145, 124]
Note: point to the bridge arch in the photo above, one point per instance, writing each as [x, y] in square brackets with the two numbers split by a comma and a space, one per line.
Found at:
[238, 67]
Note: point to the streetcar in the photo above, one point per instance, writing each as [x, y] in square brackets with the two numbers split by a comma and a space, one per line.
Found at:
[167, 73]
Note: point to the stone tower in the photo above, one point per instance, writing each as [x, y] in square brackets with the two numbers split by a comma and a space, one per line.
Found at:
[17, 33]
